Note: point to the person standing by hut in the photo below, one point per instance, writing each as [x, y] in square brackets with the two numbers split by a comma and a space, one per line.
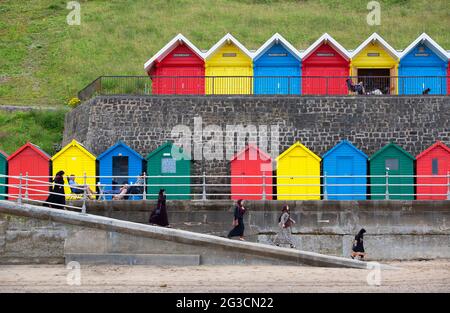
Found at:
[57, 197]
[358, 245]
[238, 220]
[285, 223]
[159, 215]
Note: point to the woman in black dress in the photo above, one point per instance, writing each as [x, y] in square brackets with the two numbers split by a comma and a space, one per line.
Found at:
[358, 245]
[238, 221]
[57, 199]
[159, 215]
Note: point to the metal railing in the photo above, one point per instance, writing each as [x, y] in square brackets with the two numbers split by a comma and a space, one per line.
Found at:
[263, 187]
[266, 85]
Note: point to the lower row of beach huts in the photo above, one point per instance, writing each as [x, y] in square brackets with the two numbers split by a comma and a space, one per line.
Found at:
[342, 173]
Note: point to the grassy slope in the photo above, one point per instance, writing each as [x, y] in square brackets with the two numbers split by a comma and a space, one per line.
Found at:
[45, 61]
[44, 128]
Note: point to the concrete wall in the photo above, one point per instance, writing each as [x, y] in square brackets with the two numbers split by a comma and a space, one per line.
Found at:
[395, 229]
[144, 123]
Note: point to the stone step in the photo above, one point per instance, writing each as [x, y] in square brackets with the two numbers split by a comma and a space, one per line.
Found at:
[133, 259]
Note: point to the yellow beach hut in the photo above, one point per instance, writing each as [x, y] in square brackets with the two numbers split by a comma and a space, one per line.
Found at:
[298, 160]
[228, 68]
[75, 159]
[374, 62]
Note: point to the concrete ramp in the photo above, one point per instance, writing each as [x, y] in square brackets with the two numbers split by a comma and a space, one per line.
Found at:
[92, 237]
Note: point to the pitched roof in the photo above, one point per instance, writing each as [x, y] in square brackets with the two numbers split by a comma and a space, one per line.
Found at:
[169, 47]
[432, 147]
[277, 38]
[329, 40]
[376, 38]
[227, 38]
[74, 143]
[264, 155]
[120, 143]
[298, 144]
[344, 142]
[376, 154]
[434, 46]
[32, 146]
[3, 154]
[161, 147]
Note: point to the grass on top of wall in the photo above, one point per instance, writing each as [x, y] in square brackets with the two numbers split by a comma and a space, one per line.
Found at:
[44, 61]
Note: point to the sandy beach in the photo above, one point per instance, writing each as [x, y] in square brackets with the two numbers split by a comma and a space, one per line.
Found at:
[413, 276]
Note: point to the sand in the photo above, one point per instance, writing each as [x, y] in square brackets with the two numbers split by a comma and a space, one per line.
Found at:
[413, 276]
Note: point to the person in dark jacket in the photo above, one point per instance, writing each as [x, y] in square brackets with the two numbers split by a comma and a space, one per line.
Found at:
[57, 197]
[238, 220]
[358, 245]
[159, 215]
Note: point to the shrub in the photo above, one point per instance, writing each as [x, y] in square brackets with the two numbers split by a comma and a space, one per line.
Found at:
[74, 102]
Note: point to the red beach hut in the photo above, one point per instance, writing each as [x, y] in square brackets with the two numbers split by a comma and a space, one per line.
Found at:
[433, 161]
[32, 160]
[251, 162]
[178, 68]
[325, 58]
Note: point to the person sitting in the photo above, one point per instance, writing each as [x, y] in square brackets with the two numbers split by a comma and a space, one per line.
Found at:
[79, 189]
[358, 88]
[138, 187]
[122, 193]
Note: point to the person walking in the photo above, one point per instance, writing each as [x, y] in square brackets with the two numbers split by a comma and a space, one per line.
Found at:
[238, 220]
[358, 245]
[57, 198]
[285, 222]
[159, 215]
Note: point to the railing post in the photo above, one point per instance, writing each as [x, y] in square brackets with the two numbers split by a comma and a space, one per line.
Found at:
[144, 192]
[264, 197]
[26, 186]
[386, 195]
[325, 187]
[204, 187]
[19, 199]
[83, 208]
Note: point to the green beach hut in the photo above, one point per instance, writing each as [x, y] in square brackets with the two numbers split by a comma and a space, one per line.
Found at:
[3, 167]
[396, 161]
[162, 163]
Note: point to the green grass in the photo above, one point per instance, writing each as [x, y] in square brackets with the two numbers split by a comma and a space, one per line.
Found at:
[44, 61]
[41, 127]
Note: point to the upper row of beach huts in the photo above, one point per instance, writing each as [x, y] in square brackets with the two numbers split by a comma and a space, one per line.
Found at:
[300, 174]
[277, 67]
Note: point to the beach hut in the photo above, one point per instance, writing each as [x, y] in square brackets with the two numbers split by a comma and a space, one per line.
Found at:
[345, 159]
[325, 68]
[251, 171]
[374, 62]
[119, 160]
[3, 171]
[32, 161]
[298, 160]
[423, 65]
[397, 163]
[228, 68]
[165, 162]
[276, 67]
[432, 162]
[178, 68]
[75, 159]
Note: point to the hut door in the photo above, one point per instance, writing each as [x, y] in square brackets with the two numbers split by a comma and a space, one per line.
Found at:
[345, 168]
[120, 168]
[375, 78]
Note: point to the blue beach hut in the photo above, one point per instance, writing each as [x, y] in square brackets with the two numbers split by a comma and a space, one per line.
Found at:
[119, 160]
[276, 68]
[345, 159]
[424, 63]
